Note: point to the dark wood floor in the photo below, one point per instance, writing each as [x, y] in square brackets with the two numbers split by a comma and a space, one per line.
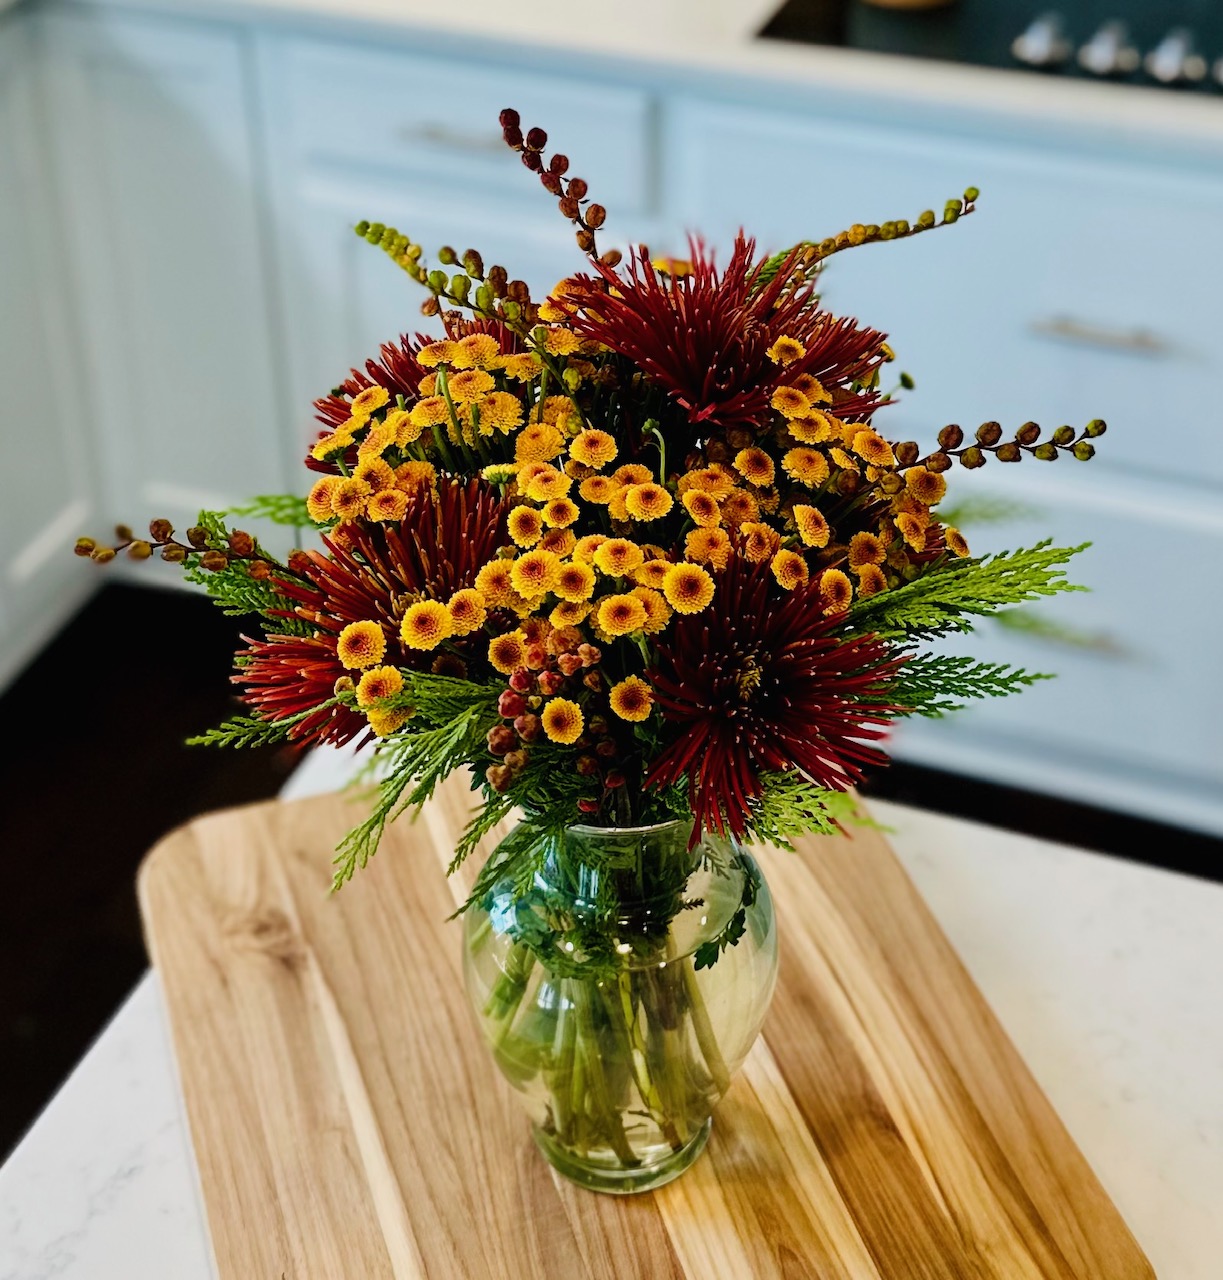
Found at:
[100, 772]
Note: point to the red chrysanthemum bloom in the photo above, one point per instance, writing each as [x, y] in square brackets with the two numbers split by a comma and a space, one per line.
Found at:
[705, 337]
[434, 551]
[761, 682]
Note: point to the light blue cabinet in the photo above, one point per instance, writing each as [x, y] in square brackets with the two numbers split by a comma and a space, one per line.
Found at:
[154, 162]
[354, 132]
[47, 496]
[209, 175]
[1043, 305]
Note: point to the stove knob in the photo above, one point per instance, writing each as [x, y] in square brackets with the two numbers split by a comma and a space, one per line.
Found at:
[1173, 60]
[1109, 52]
[1044, 43]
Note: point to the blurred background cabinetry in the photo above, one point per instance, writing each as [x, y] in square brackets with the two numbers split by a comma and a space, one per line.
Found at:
[207, 176]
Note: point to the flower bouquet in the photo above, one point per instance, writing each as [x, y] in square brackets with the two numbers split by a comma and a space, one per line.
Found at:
[637, 557]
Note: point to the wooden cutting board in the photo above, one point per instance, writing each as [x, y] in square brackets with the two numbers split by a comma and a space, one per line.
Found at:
[349, 1124]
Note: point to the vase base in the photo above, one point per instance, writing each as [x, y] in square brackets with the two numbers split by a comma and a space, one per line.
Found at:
[620, 1181]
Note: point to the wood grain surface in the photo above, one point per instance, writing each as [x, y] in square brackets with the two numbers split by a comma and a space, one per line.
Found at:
[349, 1124]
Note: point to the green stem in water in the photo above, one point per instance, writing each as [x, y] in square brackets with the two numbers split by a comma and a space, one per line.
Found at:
[705, 1037]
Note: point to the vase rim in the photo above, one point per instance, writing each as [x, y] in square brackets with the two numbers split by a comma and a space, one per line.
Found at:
[588, 829]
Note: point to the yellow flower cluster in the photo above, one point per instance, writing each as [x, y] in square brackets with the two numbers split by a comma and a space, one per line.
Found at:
[599, 548]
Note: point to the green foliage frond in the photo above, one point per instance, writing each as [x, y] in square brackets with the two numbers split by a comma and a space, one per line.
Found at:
[280, 508]
[791, 807]
[438, 699]
[947, 597]
[233, 589]
[934, 684]
[247, 731]
[517, 858]
[485, 819]
[416, 761]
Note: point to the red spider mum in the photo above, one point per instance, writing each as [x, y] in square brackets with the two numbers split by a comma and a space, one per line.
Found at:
[704, 337]
[759, 684]
[371, 572]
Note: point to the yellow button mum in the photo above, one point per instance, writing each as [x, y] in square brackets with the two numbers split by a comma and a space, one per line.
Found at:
[807, 466]
[318, 503]
[688, 588]
[593, 448]
[789, 568]
[376, 684]
[576, 582]
[561, 512]
[647, 501]
[508, 652]
[618, 556]
[708, 546]
[425, 624]
[786, 350]
[632, 699]
[467, 611]
[812, 527]
[618, 615]
[368, 400]
[563, 721]
[836, 591]
[360, 645]
[535, 574]
[525, 524]
[548, 483]
[928, 487]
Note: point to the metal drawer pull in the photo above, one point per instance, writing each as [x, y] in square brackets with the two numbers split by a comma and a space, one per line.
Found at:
[1067, 329]
[441, 135]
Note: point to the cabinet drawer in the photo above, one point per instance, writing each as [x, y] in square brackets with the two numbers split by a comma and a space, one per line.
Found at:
[1137, 690]
[1079, 289]
[437, 121]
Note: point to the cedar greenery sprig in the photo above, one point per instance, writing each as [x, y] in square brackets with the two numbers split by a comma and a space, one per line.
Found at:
[279, 508]
[414, 763]
[947, 597]
[248, 731]
[934, 684]
[790, 807]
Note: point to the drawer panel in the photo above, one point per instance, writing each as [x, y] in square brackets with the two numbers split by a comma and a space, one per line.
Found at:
[1079, 288]
[435, 119]
[1137, 689]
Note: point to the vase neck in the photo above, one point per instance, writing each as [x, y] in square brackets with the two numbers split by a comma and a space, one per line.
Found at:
[616, 869]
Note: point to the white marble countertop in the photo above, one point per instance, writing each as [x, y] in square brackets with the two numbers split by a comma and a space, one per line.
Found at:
[1105, 974]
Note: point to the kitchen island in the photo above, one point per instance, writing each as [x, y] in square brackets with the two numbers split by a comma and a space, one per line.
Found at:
[1102, 972]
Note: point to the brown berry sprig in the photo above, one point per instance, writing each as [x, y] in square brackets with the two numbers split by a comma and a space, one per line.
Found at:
[571, 193]
[989, 440]
[240, 546]
[491, 294]
[561, 665]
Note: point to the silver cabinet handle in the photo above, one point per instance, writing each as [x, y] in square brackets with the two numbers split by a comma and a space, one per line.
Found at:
[1068, 329]
[442, 135]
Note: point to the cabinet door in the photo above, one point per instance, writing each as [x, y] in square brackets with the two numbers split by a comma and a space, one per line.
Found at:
[154, 152]
[1134, 717]
[47, 493]
[345, 297]
[355, 133]
[1081, 287]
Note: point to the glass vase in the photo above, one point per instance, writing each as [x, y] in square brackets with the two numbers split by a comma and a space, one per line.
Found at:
[620, 989]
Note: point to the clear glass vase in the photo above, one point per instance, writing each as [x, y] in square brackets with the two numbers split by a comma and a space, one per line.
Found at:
[621, 991]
